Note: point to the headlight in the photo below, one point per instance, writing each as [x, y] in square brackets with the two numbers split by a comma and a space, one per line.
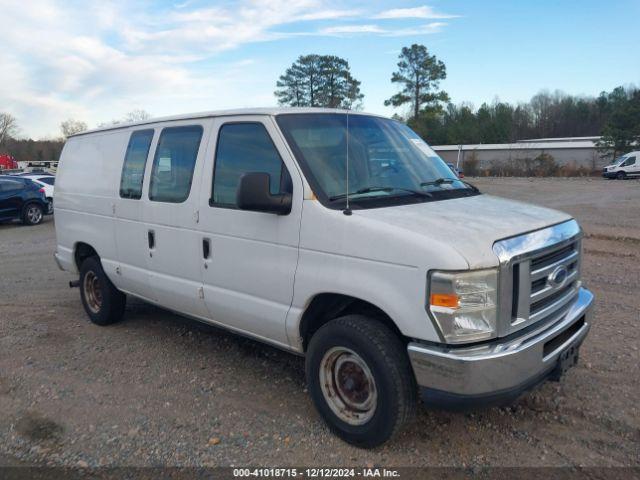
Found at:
[463, 304]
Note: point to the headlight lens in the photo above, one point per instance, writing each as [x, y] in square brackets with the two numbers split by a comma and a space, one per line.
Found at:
[463, 304]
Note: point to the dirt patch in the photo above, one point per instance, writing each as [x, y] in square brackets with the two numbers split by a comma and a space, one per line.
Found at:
[615, 238]
[5, 386]
[605, 253]
[36, 428]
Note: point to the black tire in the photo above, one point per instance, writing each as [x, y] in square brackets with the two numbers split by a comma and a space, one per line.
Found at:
[49, 206]
[32, 214]
[385, 356]
[621, 176]
[109, 307]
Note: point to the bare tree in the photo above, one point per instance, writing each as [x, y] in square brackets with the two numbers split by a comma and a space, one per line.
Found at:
[8, 127]
[137, 115]
[71, 127]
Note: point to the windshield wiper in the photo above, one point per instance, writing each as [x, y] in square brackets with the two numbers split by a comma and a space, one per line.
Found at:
[438, 181]
[381, 189]
[471, 186]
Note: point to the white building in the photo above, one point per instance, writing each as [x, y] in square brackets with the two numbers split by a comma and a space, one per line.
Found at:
[576, 152]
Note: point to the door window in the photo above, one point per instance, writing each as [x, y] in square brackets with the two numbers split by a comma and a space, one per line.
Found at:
[242, 148]
[134, 162]
[630, 161]
[10, 185]
[173, 164]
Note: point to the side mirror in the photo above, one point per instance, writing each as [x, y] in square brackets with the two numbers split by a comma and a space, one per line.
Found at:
[254, 194]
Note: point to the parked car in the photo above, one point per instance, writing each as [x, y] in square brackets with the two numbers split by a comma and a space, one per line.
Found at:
[47, 182]
[270, 222]
[23, 199]
[623, 167]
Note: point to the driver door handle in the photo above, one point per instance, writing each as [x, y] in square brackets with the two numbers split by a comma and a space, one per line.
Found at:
[206, 248]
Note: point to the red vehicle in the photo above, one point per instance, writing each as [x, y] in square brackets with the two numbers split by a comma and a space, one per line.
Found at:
[7, 162]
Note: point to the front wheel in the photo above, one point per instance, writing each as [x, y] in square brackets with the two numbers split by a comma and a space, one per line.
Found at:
[621, 176]
[360, 380]
[32, 214]
[102, 301]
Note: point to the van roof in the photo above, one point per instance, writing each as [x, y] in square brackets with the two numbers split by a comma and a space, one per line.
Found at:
[224, 113]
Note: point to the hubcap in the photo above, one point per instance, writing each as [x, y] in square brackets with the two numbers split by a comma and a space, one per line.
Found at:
[34, 214]
[92, 292]
[348, 386]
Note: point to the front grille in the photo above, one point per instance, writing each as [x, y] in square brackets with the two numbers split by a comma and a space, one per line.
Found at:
[543, 275]
[549, 258]
[540, 305]
[541, 297]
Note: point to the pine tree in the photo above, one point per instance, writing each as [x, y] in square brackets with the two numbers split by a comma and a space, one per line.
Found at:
[318, 81]
[419, 73]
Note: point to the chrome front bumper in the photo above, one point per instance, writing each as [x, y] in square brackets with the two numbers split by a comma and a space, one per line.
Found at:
[504, 367]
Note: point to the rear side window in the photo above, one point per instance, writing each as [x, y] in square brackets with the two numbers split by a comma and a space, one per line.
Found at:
[48, 180]
[243, 148]
[11, 185]
[173, 164]
[134, 161]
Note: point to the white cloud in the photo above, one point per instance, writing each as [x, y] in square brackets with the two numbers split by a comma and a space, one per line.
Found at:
[350, 30]
[96, 60]
[427, 29]
[415, 12]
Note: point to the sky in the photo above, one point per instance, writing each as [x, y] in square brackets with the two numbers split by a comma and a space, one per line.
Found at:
[95, 61]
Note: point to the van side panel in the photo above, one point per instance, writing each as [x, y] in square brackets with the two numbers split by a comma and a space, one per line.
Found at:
[86, 185]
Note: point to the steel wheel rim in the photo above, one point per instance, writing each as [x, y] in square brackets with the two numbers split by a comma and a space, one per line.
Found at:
[92, 292]
[34, 214]
[348, 386]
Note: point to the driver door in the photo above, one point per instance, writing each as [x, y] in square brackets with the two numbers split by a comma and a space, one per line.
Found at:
[248, 258]
[632, 166]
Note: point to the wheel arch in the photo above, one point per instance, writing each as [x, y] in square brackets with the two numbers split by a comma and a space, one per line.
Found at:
[32, 201]
[324, 307]
[82, 251]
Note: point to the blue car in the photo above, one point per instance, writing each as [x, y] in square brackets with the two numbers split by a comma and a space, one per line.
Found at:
[22, 199]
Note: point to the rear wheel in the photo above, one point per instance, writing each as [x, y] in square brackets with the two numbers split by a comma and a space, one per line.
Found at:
[360, 380]
[32, 214]
[102, 301]
[621, 176]
[49, 206]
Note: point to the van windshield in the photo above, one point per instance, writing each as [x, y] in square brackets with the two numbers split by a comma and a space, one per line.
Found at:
[388, 162]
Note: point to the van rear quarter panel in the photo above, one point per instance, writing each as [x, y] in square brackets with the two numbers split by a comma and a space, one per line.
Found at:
[87, 185]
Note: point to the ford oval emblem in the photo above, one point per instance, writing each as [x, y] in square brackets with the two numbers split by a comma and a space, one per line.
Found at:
[558, 276]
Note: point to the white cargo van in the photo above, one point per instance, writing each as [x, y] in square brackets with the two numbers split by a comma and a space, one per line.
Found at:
[336, 235]
[623, 167]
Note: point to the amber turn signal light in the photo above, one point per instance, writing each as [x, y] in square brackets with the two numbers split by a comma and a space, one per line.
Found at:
[444, 300]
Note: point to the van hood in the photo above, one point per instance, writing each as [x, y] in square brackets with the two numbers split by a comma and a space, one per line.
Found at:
[469, 225]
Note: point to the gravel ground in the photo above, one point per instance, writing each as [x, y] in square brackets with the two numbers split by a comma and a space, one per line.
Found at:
[158, 389]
